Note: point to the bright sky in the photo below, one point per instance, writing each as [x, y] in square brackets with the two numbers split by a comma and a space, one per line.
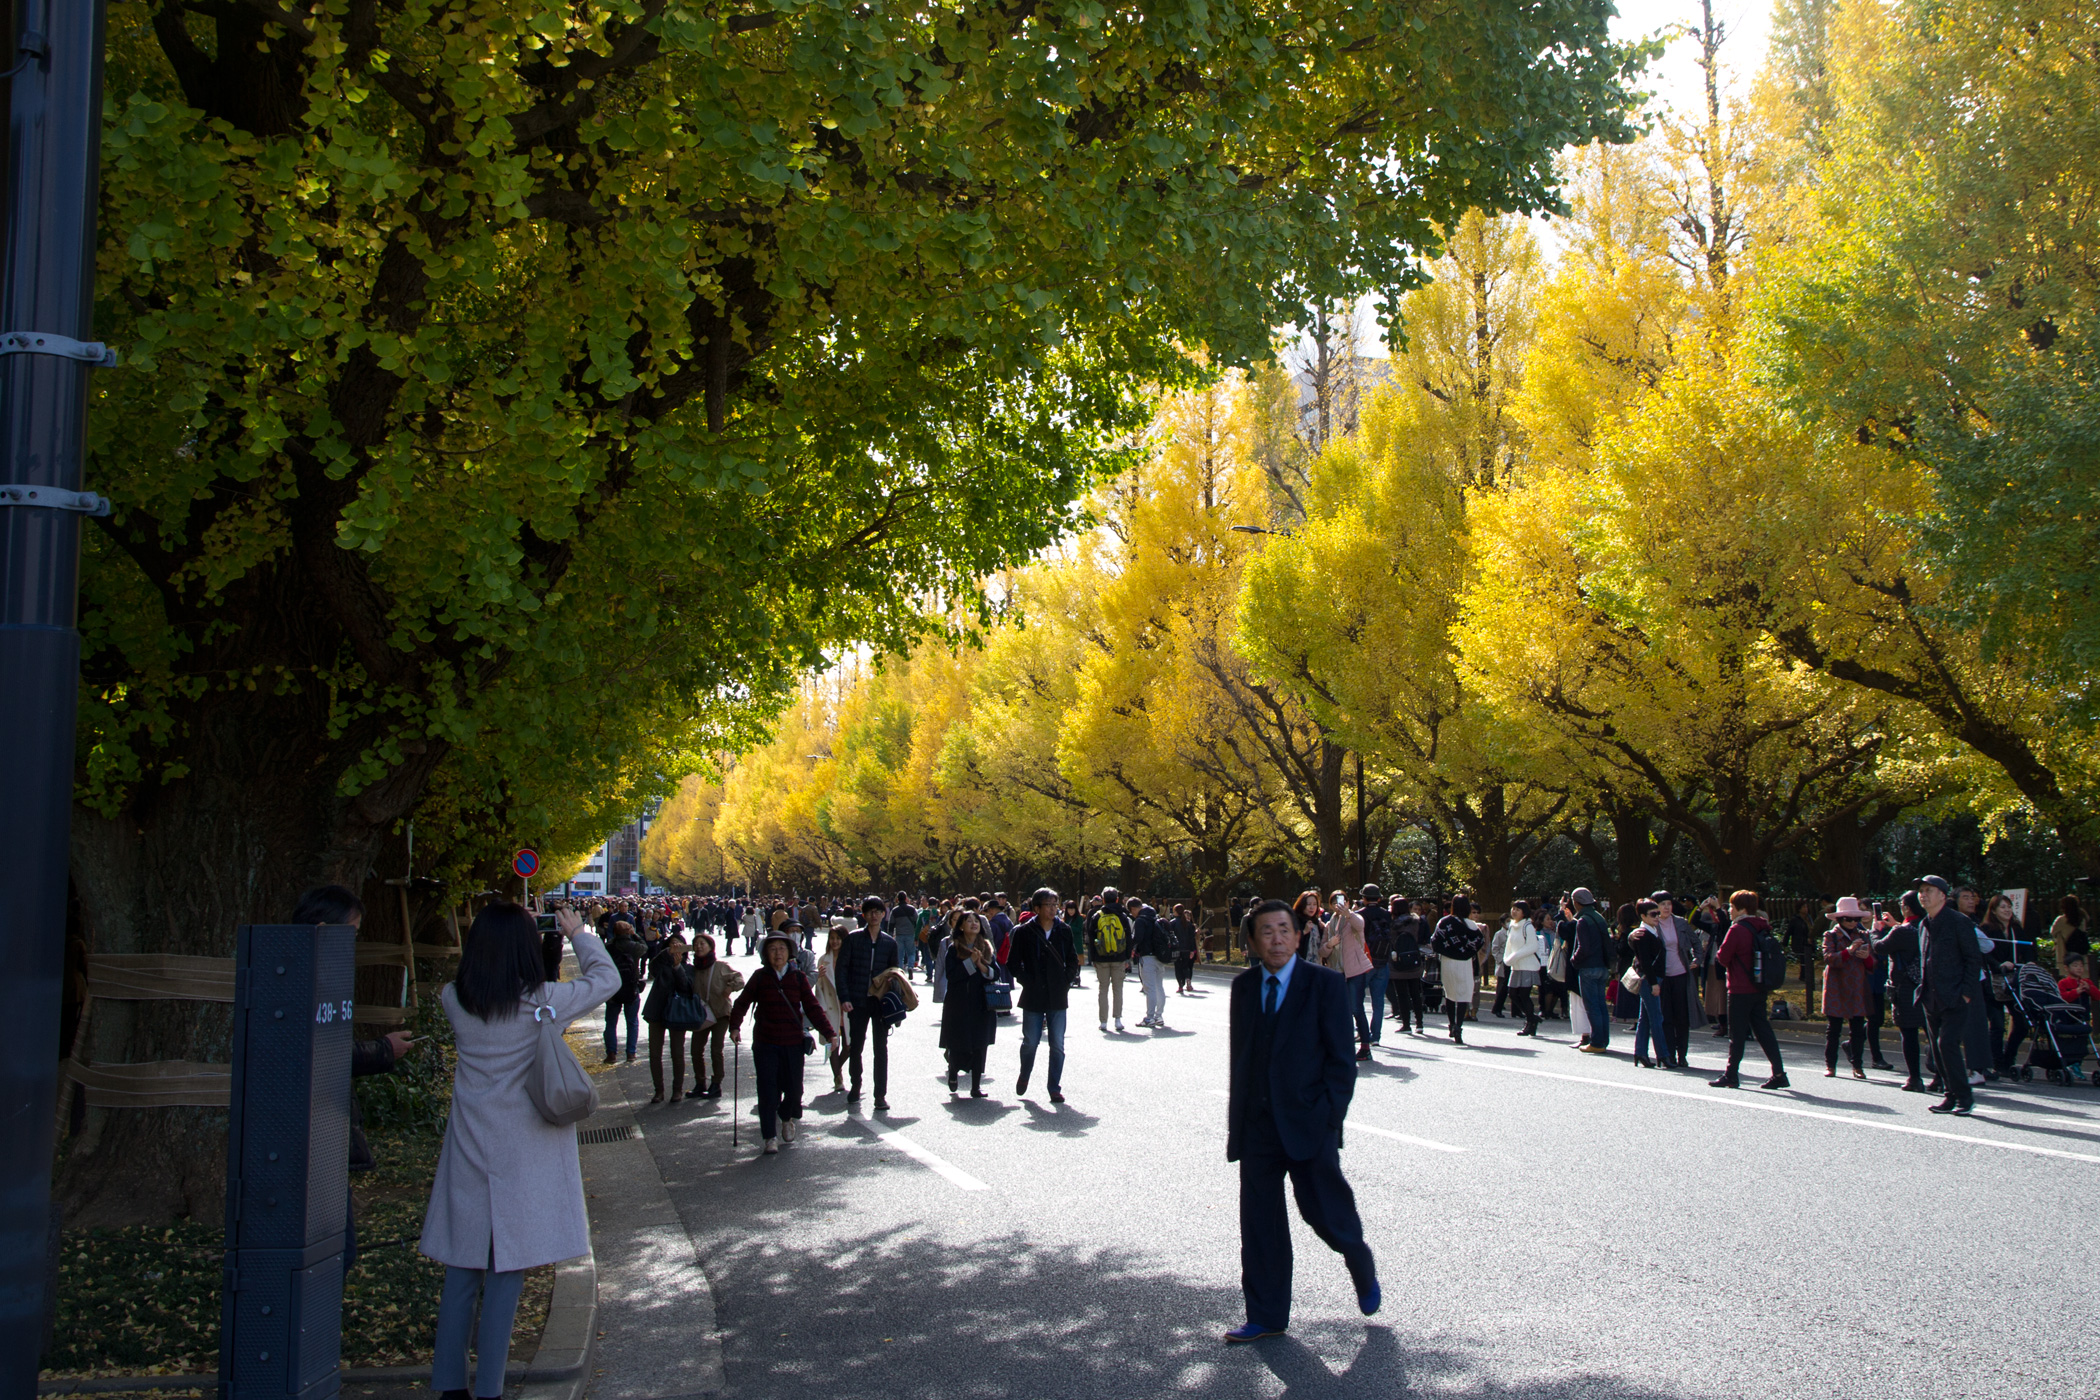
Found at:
[1674, 78]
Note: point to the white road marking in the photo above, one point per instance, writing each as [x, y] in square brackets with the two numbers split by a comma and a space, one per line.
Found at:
[925, 1158]
[1404, 1137]
[1381, 1132]
[1739, 1099]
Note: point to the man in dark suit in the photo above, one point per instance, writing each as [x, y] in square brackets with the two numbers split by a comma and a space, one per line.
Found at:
[1953, 978]
[1293, 1072]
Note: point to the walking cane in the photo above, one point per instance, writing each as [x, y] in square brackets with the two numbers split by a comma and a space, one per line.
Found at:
[736, 1087]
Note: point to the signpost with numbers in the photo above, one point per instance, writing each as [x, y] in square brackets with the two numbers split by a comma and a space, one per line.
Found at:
[288, 1163]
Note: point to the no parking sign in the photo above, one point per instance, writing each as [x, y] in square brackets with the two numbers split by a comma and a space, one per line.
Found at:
[526, 863]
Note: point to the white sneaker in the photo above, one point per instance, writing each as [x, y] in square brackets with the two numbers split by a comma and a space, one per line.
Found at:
[771, 1147]
[1119, 1028]
[787, 1130]
[1104, 1028]
[1975, 1077]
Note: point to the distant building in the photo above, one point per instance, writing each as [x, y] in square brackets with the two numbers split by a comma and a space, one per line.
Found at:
[615, 868]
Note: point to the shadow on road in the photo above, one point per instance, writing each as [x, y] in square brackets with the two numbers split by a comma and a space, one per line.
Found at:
[889, 1313]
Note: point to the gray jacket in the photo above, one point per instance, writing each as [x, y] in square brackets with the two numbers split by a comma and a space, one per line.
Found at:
[508, 1185]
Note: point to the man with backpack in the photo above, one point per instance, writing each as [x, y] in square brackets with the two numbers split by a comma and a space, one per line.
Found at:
[1108, 936]
[903, 925]
[628, 953]
[1756, 967]
[1408, 958]
[1152, 948]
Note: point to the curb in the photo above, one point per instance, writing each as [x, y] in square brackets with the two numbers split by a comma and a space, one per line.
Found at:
[559, 1368]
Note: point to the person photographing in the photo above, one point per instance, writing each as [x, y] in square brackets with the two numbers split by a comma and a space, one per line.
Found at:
[1293, 1075]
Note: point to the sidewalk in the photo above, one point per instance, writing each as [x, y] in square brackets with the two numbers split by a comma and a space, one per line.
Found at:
[656, 1311]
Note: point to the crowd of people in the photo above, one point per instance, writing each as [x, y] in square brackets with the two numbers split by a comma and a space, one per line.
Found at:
[1657, 969]
[1963, 985]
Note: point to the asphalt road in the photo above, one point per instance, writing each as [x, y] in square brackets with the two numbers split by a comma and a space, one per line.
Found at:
[1546, 1224]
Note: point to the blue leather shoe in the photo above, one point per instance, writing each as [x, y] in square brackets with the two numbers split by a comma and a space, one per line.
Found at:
[1367, 1302]
[1251, 1332]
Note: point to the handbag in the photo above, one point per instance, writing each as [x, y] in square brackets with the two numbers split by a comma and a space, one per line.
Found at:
[1631, 980]
[556, 1083]
[687, 1012]
[999, 992]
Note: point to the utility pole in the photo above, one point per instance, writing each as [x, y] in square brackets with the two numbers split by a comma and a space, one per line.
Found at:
[47, 287]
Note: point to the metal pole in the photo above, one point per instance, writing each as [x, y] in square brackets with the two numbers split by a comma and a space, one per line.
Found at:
[46, 301]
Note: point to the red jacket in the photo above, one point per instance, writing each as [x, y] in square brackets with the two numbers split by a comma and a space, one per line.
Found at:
[1738, 953]
[782, 1002]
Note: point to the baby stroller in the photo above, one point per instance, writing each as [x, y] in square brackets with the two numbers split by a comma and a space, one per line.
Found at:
[2063, 1033]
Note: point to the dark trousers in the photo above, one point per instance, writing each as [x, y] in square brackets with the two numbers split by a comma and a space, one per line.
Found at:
[1677, 1016]
[857, 1035]
[1746, 1016]
[779, 1069]
[1948, 1034]
[1184, 969]
[1854, 1050]
[1910, 1050]
[1501, 990]
[1407, 1001]
[1325, 1203]
[1359, 997]
[1877, 1013]
[2014, 1039]
[708, 1044]
[613, 1010]
[656, 1059]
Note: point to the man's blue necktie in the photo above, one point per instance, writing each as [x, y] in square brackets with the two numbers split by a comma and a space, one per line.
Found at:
[1268, 1006]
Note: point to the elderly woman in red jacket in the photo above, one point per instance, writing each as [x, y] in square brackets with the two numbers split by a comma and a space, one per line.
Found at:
[782, 996]
[1848, 951]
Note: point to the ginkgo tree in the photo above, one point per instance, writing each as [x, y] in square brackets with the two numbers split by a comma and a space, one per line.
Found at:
[470, 346]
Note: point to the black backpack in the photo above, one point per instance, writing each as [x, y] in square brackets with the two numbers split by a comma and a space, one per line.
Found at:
[1407, 945]
[1771, 962]
[1378, 933]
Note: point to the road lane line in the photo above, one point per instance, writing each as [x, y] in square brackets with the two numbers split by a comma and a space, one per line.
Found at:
[924, 1157]
[1404, 1137]
[1381, 1132]
[1731, 1100]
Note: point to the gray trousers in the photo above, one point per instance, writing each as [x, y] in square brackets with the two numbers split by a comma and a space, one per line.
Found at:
[497, 1298]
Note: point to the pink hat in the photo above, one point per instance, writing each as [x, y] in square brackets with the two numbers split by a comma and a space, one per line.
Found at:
[1849, 908]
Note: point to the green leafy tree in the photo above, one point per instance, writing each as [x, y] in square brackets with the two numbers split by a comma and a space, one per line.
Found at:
[473, 350]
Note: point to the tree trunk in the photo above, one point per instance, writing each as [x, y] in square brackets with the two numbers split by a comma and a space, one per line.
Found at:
[1330, 830]
[252, 827]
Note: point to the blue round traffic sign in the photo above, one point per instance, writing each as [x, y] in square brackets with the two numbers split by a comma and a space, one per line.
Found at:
[526, 863]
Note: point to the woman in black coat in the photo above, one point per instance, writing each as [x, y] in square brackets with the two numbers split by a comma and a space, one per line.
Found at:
[968, 1025]
[1905, 955]
[668, 975]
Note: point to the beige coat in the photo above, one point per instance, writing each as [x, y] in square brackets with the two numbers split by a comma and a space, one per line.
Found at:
[719, 987]
[509, 1191]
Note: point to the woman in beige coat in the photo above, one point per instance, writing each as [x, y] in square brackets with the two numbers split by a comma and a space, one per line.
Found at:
[509, 1191]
